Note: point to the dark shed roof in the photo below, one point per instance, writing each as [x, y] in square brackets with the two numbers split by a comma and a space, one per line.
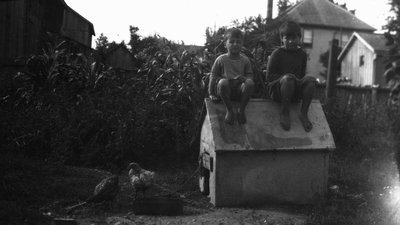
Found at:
[377, 41]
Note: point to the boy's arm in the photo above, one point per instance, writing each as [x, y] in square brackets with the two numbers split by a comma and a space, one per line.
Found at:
[304, 65]
[272, 68]
[248, 71]
[211, 85]
[215, 73]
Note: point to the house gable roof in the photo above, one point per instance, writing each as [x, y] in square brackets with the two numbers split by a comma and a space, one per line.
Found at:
[324, 13]
[91, 28]
[377, 43]
[114, 48]
[119, 57]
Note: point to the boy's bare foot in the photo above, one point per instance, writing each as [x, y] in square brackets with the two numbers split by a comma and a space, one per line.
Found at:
[241, 117]
[305, 122]
[285, 121]
[229, 118]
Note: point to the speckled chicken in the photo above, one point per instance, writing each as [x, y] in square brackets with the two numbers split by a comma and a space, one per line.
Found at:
[105, 191]
[141, 179]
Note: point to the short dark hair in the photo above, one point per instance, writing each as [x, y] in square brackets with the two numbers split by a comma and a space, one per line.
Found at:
[290, 28]
[233, 32]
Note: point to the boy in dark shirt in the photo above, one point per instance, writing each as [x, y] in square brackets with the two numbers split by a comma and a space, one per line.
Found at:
[232, 77]
[286, 77]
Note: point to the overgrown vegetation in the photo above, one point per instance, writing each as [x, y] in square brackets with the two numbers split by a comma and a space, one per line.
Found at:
[60, 108]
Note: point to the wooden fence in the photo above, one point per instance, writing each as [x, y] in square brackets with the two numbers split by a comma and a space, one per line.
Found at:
[357, 96]
[345, 95]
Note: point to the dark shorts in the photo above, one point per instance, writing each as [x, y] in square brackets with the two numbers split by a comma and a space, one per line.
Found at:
[236, 86]
[274, 88]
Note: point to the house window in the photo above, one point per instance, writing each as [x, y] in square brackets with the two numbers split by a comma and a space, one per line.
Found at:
[307, 37]
[345, 39]
[361, 60]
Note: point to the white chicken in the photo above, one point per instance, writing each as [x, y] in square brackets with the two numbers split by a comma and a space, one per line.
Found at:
[141, 179]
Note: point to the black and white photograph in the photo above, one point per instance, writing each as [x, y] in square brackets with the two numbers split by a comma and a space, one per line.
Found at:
[136, 112]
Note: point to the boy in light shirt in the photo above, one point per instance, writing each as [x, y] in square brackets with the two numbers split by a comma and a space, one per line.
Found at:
[232, 77]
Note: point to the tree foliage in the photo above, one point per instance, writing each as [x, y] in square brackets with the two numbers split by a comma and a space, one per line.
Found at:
[283, 5]
[393, 29]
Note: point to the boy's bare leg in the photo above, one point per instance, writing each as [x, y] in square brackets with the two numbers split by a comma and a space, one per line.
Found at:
[308, 94]
[225, 93]
[247, 90]
[287, 90]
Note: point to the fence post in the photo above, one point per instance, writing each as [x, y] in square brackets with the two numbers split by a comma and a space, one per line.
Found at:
[331, 78]
[374, 94]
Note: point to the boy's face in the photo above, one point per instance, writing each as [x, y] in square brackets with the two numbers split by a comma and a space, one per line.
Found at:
[290, 41]
[234, 45]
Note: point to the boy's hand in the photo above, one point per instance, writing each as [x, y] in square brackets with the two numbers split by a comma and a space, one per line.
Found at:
[242, 79]
[214, 98]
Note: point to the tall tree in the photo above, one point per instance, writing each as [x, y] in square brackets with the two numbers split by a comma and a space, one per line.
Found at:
[135, 41]
[283, 5]
[393, 28]
[101, 42]
[393, 36]
[215, 40]
[101, 47]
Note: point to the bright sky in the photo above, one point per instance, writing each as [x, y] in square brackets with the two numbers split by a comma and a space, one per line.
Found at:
[187, 20]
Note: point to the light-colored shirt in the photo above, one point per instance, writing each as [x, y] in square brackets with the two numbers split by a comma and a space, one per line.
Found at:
[225, 67]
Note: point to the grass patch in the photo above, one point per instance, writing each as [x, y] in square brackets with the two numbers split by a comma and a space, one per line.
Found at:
[362, 170]
[29, 185]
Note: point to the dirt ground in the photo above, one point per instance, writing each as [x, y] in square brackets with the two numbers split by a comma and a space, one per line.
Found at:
[219, 216]
[368, 192]
[196, 208]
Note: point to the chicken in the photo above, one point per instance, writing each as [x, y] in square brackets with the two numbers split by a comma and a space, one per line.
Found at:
[141, 179]
[105, 191]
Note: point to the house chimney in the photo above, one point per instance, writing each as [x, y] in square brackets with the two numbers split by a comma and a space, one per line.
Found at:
[269, 10]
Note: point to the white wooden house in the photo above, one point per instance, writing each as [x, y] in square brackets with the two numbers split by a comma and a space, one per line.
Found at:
[363, 59]
[321, 21]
